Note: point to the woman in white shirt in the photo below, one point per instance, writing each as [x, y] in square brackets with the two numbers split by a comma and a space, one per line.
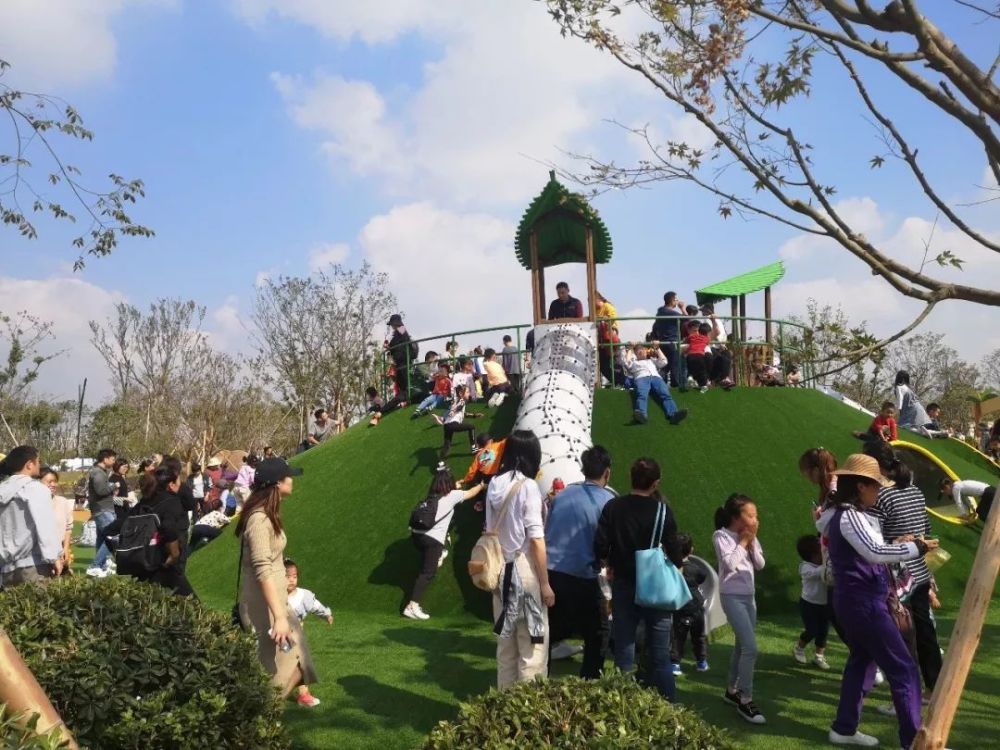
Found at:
[63, 509]
[520, 604]
[442, 499]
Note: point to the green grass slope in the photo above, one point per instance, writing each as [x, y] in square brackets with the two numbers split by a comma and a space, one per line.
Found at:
[387, 680]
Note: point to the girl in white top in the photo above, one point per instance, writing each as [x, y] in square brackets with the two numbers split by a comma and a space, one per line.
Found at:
[520, 656]
[63, 508]
[430, 543]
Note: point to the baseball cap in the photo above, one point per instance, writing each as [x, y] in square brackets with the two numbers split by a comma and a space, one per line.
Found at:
[273, 470]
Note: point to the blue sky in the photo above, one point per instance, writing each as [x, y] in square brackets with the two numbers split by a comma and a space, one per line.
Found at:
[275, 135]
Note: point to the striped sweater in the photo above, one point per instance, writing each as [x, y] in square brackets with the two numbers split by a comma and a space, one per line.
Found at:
[902, 511]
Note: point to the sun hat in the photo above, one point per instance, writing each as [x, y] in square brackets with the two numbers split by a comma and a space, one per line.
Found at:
[395, 320]
[213, 462]
[860, 465]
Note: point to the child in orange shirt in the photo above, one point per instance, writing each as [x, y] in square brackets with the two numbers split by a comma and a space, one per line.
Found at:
[440, 391]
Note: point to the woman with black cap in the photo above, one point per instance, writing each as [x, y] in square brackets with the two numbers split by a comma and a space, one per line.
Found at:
[403, 353]
[263, 602]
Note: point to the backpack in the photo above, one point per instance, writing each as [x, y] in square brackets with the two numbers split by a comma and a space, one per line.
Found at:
[486, 562]
[424, 515]
[140, 551]
[414, 351]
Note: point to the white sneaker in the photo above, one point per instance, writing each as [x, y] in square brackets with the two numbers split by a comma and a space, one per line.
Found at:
[110, 567]
[879, 677]
[799, 654]
[415, 612]
[820, 661]
[444, 554]
[501, 397]
[563, 650]
[96, 572]
[493, 400]
[864, 740]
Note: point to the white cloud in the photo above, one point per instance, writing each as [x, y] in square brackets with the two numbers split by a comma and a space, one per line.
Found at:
[862, 214]
[450, 271]
[506, 92]
[263, 277]
[67, 303]
[328, 254]
[61, 42]
[227, 329]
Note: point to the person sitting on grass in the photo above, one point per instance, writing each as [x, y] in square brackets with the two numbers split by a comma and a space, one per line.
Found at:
[883, 427]
[465, 374]
[454, 421]
[647, 378]
[440, 391]
[690, 619]
[959, 489]
[442, 499]
[813, 604]
[207, 528]
[375, 406]
[498, 386]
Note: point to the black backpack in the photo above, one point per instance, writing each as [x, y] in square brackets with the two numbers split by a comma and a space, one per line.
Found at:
[140, 550]
[424, 516]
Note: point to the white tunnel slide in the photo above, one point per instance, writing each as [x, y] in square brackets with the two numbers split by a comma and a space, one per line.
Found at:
[557, 404]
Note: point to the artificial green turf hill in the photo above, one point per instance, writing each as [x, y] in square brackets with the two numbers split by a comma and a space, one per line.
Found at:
[347, 520]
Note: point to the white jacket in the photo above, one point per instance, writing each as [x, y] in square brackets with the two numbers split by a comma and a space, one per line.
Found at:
[28, 534]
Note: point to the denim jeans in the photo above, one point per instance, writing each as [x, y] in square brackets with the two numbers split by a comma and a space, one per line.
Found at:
[627, 616]
[431, 402]
[660, 389]
[102, 520]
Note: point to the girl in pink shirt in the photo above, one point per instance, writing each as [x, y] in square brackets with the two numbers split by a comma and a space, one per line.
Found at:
[740, 555]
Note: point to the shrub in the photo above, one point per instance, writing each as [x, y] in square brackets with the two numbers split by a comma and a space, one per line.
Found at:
[18, 735]
[129, 665]
[613, 712]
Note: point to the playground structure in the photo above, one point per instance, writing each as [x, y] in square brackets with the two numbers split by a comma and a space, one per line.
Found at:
[928, 471]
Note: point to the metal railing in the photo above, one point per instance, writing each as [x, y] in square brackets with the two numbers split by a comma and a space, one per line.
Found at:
[741, 366]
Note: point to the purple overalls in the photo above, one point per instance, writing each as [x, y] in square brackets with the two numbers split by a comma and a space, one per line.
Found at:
[859, 600]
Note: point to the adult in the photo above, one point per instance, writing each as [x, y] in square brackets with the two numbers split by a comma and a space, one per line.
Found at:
[721, 362]
[901, 510]
[646, 376]
[626, 525]
[911, 412]
[511, 360]
[120, 470]
[320, 429]
[30, 545]
[959, 489]
[667, 330]
[520, 604]
[569, 541]
[444, 496]
[607, 335]
[564, 306]
[199, 483]
[62, 508]
[403, 352]
[216, 484]
[101, 501]
[858, 555]
[263, 598]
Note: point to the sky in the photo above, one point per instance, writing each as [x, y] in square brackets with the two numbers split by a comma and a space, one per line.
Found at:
[277, 136]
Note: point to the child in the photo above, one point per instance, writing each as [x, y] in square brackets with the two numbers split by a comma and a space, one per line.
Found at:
[486, 462]
[933, 427]
[740, 556]
[498, 384]
[464, 375]
[440, 391]
[443, 496]
[699, 336]
[375, 406]
[303, 602]
[691, 617]
[883, 427]
[813, 601]
[454, 421]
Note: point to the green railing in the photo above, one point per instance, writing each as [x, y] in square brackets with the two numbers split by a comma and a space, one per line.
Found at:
[734, 343]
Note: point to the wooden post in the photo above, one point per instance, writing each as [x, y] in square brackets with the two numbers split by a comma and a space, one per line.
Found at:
[767, 314]
[537, 280]
[591, 276]
[964, 639]
[20, 691]
[738, 348]
[743, 315]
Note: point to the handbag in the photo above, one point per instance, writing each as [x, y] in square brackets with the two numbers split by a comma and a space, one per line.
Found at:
[235, 615]
[658, 582]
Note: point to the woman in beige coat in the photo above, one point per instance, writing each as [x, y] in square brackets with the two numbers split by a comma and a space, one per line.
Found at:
[281, 644]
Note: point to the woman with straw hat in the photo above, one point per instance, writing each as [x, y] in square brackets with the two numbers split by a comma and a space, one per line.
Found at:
[859, 555]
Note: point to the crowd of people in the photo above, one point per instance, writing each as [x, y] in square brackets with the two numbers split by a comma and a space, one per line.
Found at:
[570, 570]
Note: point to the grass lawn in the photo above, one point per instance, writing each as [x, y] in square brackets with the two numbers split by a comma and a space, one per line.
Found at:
[387, 680]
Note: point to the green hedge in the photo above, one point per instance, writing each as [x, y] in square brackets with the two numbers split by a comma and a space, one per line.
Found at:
[128, 665]
[16, 734]
[613, 713]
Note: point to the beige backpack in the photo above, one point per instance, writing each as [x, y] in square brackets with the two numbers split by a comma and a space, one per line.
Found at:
[486, 562]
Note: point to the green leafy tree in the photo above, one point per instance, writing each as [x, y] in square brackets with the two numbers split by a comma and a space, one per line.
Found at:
[24, 336]
[737, 66]
[35, 181]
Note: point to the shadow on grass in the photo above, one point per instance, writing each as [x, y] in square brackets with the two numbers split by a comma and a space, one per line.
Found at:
[398, 569]
[446, 654]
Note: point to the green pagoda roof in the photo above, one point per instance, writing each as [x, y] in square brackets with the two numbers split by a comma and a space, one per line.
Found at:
[559, 219]
[746, 283]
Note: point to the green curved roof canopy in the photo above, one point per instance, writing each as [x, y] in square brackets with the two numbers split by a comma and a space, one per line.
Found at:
[559, 218]
[745, 283]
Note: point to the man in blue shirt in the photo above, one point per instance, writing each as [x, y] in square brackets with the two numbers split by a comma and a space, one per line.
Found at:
[569, 541]
[668, 333]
